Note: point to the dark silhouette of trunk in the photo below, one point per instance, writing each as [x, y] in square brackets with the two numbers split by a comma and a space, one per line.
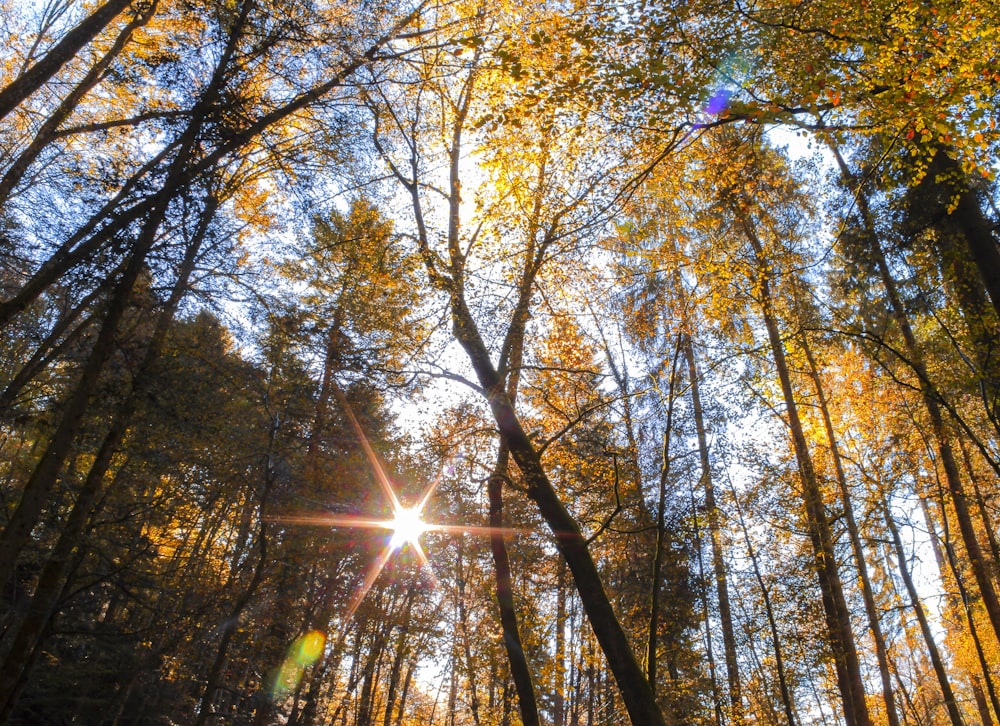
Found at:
[449, 277]
[46, 132]
[410, 667]
[519, 669]
[930, 398]
[925, 629]
[61, 53]
[871, 609]
[640, 702]
[399, 656]
[779, 661]
[652, 635]
[559, 697]
[510, 367]
[463, 621]
[53, 576]
[715, 537]
[838, 623]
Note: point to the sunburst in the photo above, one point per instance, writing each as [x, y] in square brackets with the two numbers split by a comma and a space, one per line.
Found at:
[406, 525]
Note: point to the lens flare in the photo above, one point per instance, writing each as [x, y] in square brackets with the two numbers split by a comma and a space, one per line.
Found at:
[304, 652]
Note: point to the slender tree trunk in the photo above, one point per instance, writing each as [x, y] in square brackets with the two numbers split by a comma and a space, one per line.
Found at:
[397, 661]
[516, 657]
[53, 576]
[559, 697]
[779, 661]
[918, 609]
[652, 635]
[930, 397]
[984, 514]
[411, 666]
[715, 536]
[871, 609]
[61, 53]
[839, 630]
[463, 621]
[46, 131]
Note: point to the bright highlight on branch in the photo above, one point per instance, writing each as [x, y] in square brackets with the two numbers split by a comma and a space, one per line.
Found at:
[407, 526]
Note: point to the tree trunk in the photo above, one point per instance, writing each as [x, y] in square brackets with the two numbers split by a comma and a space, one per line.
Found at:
[61, 53]
[930, 397]
[399, 656]
[559, 696]
[838, 622]
[867, 592]
[640, 702]
[715, 535]
[925, 629]
[463, 621]
[652, 635]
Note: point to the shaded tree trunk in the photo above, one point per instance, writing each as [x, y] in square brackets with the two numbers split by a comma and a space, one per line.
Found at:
[930, 398]
[918, 609]
[867, 592]
[61, 53]
[715, 536]
[839, 631]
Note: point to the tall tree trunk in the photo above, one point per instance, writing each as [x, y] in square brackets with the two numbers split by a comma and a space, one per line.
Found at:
[54, 573]
[516, 657]
[871, 609]
[463, 622]
[35, 77]
[652, 635]
[402, 645]
[930, 398]
[715, 536]
[918, 609]
[838, 622]
[559, 697]
[640, 702]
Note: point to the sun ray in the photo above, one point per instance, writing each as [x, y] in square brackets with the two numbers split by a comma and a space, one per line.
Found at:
[406, 525]
[373, 572]
[380, 474]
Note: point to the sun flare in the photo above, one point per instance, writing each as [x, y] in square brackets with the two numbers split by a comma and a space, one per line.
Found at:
[407, 526]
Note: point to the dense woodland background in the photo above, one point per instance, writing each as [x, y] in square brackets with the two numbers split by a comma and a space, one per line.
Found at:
[732, 410]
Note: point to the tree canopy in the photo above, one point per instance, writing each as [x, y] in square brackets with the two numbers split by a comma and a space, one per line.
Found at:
[482, 364]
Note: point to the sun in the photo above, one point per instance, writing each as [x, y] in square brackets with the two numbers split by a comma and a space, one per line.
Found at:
[406, 526]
